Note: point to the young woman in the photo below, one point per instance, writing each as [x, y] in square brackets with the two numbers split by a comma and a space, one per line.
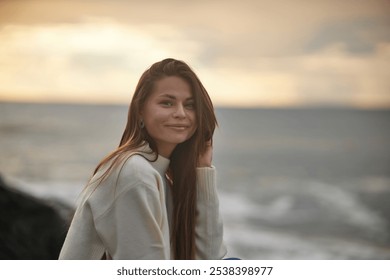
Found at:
[155, 196]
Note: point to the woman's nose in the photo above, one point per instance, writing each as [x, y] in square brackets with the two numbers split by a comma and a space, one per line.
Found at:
[179, 112]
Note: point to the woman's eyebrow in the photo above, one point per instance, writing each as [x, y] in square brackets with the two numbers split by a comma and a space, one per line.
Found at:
[166, 95]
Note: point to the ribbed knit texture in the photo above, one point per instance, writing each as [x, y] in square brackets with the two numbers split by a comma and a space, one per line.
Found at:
[206, 184]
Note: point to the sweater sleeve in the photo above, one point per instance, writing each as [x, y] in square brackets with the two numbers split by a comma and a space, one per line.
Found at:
[133, 228]
[209, 227]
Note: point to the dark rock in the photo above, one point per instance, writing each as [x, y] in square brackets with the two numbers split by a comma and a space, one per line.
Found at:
[29, 227]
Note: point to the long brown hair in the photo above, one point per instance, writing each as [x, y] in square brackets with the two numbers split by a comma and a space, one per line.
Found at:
[184, 159]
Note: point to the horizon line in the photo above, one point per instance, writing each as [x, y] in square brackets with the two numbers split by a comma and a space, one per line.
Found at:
[121, 104]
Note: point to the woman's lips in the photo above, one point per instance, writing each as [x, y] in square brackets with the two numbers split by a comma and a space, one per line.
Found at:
[178, 126]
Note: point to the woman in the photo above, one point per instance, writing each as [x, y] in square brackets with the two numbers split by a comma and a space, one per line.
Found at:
[155, 196]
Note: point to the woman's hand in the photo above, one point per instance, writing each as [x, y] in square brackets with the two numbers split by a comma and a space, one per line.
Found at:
[206, 158]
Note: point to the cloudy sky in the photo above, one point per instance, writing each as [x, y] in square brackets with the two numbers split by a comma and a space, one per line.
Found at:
[246, 52]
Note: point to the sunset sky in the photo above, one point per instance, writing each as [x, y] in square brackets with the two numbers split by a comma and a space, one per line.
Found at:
[247, 52]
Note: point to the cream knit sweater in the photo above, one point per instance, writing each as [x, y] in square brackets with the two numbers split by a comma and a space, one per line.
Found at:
[128, 216]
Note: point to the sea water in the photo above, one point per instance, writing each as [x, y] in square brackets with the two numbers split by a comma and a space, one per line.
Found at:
[301, 183]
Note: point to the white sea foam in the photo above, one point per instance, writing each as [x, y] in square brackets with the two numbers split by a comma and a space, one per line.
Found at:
[281, 229]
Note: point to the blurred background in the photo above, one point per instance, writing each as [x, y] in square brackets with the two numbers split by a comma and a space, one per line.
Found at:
[301, 90]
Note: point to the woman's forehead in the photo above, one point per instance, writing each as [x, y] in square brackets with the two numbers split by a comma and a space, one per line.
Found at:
[172, 87]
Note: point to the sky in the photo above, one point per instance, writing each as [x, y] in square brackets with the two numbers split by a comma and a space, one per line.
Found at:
[250, 53]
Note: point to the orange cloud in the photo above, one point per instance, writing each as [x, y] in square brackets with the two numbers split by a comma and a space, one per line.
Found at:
[250, 53]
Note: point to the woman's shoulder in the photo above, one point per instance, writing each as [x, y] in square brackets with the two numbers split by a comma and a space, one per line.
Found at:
[132, 174]
[136, 168]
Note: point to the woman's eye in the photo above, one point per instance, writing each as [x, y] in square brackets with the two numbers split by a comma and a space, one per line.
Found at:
[167, 103]
[190, 105]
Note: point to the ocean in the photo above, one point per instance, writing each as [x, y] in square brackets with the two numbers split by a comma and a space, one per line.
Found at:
[297, 183]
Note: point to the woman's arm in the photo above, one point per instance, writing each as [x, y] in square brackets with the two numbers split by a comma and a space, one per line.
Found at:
[135, 225]
[209, 228]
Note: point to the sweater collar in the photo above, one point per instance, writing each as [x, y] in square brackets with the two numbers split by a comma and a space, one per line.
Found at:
[161, 164]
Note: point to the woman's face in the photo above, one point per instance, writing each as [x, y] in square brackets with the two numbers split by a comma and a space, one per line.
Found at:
[169, 114]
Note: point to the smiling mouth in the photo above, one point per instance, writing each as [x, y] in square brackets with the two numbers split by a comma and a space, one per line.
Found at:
[178, 127]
